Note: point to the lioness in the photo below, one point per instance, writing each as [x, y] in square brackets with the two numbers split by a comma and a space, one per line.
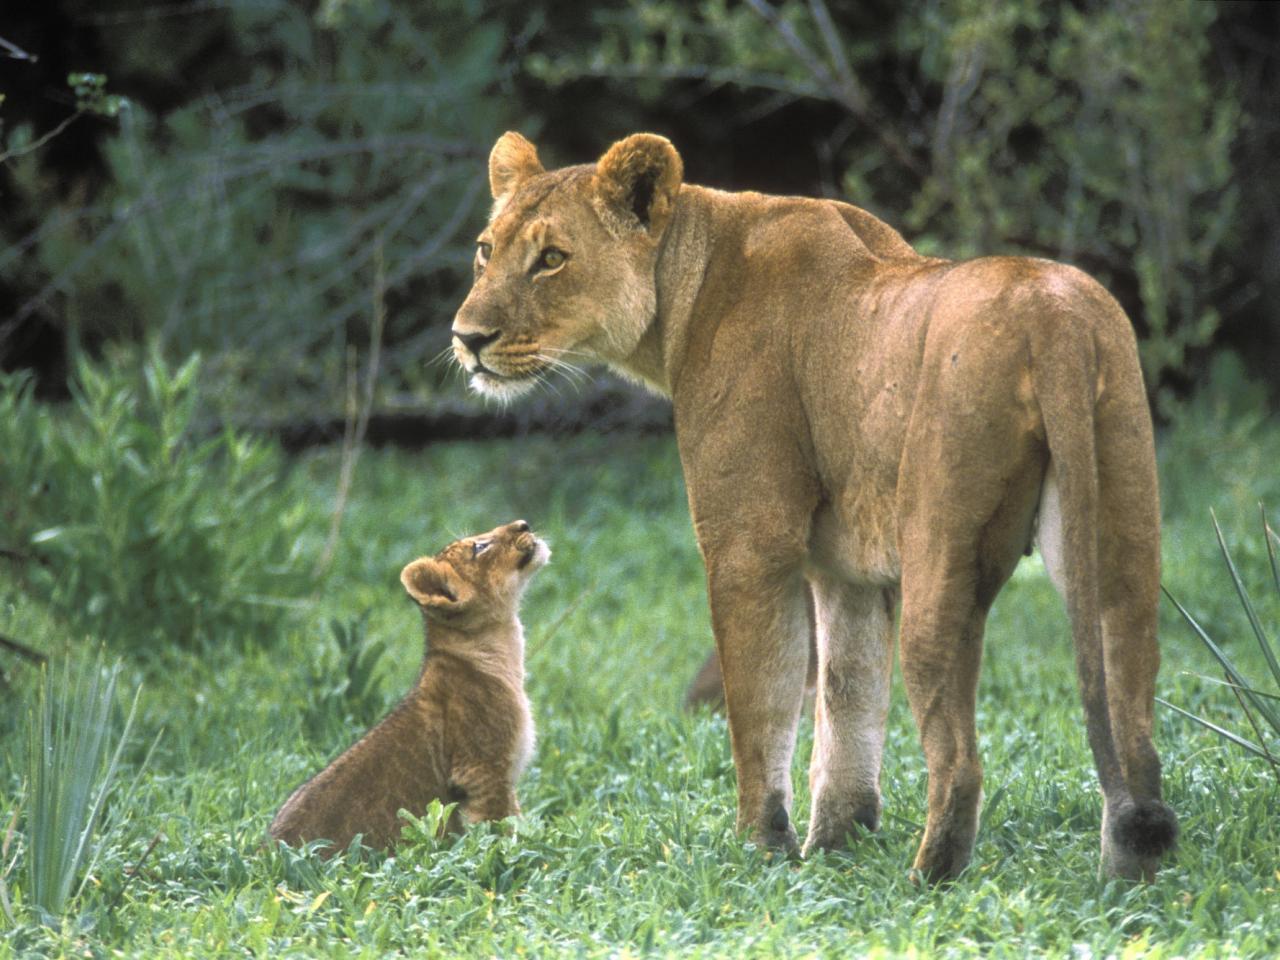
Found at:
[871, 426]
[464, 733]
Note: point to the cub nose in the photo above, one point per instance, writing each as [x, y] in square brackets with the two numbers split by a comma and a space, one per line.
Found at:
[475, 342]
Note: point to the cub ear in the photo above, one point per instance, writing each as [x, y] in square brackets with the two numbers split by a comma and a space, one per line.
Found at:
[637, 181]
[433, 585]
[512, 160]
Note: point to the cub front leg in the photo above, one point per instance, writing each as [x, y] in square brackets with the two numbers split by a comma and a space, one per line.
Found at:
[484, 793]
[497, 804]
[759, 616]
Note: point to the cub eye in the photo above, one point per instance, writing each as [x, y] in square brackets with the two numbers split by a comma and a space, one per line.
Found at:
[551, 258]
[480, 546]
[482, 252]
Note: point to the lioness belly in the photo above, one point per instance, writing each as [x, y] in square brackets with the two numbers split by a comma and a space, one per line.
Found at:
[856, 541]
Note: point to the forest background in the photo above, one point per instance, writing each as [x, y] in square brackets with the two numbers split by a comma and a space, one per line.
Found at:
[237, 176]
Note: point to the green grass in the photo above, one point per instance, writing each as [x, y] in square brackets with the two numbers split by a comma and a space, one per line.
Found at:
[626, 845]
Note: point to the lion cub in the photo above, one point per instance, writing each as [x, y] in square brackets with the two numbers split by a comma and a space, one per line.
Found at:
[464, 733]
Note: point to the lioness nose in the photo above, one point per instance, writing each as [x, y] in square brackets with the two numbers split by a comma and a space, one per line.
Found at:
[475, 342]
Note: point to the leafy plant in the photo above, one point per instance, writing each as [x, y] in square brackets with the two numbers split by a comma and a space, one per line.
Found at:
[72, 765]
[1261, 707]
[141, 526]
[350, 689]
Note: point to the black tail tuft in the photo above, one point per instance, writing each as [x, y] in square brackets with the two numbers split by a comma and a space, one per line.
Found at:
[1147, 828]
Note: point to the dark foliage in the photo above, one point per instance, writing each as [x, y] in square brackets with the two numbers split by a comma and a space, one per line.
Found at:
[275, 153]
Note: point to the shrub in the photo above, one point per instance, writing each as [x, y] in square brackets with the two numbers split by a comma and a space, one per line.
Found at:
[140, 528]
[344, 687]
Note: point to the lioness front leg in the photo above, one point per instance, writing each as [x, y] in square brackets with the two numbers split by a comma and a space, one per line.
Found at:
[759, 616]
[855, 660]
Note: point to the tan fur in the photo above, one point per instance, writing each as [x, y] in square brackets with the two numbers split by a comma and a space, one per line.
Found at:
[464, 732]
[858, 425]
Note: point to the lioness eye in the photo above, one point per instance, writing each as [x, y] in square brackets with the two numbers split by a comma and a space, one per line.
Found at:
[482, 252]
[480, 546]
[551, 258]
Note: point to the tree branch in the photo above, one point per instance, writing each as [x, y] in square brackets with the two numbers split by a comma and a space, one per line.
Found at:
[15, 52]
[37, 144]
[842, 86]
[22, 650]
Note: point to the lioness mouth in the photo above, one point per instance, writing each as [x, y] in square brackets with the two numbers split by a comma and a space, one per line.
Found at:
[483, 371]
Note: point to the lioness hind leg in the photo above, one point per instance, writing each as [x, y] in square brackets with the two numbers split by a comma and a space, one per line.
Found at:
[1137, 826]
[941, 650]
[962, 530]
[855, 659]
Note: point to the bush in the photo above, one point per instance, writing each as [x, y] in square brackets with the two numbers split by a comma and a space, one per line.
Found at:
[131, 526]
[344, 689]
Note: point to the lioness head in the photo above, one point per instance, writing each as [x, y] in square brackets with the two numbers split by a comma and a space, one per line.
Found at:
[564, 272]
[477, 580]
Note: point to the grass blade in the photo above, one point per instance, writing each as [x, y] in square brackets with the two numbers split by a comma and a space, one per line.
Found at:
[71, 769]
[1232, 673]
[1233, 686]
[108, 779]
[1238, 740]
[1250, 612]
[1270, 538]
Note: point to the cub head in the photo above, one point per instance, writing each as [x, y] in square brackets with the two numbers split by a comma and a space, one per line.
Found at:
[564, 272]
[476, 581]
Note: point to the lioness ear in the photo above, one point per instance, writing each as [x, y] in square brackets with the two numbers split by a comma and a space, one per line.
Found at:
[637, 181]
[433, 585]
[512, 160]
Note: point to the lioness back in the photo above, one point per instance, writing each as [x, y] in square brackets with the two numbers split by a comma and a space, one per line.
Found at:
[464, 733]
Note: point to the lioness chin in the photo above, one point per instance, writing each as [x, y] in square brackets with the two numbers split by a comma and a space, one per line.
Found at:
[860, 426]
[464, 733]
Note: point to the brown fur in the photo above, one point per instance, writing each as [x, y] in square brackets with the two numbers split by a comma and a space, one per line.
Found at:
[464, 732]
[859, 425]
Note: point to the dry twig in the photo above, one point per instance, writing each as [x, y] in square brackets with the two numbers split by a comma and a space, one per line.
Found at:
[357, 419]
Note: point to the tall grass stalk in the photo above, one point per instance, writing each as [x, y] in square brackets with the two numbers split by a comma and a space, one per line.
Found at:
[1261, 707]
[71, 766]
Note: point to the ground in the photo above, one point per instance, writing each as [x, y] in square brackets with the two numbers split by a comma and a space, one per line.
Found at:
[626, 846]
